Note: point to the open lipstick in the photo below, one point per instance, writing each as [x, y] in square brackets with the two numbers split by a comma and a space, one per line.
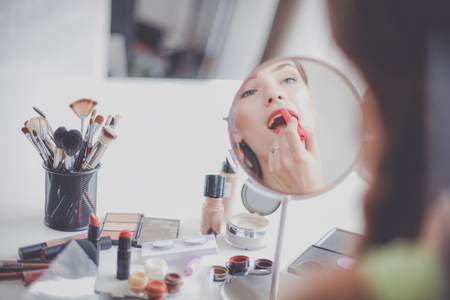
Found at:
[278, 120]
[124, 255]
[94, 234]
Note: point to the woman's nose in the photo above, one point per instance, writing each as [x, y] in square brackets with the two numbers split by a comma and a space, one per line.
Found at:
[277, 96]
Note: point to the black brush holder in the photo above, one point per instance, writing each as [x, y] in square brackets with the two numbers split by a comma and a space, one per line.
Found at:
[70, 197]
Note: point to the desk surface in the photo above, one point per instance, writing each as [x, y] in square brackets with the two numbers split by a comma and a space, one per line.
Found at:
[171, 135]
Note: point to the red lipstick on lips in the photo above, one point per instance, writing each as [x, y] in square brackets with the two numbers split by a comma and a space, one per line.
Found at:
[286, 113]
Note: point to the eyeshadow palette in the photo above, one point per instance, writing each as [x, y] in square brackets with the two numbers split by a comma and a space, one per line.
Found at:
[142, 229]
[332, 253]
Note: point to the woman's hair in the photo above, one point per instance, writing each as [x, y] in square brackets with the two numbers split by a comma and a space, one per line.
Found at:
[387, 41]
[251, 162]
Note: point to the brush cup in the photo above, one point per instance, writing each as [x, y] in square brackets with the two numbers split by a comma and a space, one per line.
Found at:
[70, 197]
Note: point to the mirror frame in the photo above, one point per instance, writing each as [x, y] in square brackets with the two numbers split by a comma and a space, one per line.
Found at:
[255, 183]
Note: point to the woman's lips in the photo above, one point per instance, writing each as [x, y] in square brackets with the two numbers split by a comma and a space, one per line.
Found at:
[275, 114]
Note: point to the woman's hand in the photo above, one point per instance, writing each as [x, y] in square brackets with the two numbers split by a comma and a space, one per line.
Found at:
[295, 165]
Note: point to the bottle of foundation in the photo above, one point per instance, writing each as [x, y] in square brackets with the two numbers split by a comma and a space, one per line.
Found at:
[212, 209]
[229, 194]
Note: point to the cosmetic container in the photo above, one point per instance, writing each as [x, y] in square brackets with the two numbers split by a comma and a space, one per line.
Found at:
[230, 188]
[248, 231]
[124, 255]
[156, 289]
[156, 268]
[174, 284]
[137, 282]
[212, 209]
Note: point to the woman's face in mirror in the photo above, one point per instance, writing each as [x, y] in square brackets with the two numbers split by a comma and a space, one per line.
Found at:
[273, 86]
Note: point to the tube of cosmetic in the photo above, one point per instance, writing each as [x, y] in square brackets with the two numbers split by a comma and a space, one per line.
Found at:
[18, 267]
[192, 265]
[51, 253]
[33, 251]
[124, 255]
[26, 276]
[94, 235]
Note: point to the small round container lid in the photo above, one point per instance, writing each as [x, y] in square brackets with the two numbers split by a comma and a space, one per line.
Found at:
[257, 203]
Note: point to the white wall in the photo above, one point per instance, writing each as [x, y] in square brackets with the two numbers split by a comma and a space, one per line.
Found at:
[51, 38]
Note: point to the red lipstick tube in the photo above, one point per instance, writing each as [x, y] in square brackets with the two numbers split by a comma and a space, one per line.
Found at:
[94, 235]
[124, 255]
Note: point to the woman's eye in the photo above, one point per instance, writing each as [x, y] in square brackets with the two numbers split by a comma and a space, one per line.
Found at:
[248, 93]
[288, 80]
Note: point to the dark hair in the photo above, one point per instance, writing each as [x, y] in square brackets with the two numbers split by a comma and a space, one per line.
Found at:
[387, 40]
[251, 162]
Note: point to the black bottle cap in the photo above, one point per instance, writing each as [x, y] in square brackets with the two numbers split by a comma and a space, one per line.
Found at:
[214, 186]
[226, 167]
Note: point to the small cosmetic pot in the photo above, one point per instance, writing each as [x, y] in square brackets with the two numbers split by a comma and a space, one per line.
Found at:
[220, 273]
[137, 282]
[263, 264]
[174, 284]
[238, 264]
[156, 289]
[246, 231]
[156, 268]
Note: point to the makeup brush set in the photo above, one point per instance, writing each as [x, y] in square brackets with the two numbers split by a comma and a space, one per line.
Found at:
[71, 161]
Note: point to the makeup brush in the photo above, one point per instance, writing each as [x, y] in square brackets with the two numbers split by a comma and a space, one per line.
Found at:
[27, 133]
[71, 144]
[82, 108]
[42, 149]
[108, 120]
[39, 125]
[117, 119]
[82, 153]
[98, 123]
[46, 121]
[59, 152]
[111, 124]
[107, 135]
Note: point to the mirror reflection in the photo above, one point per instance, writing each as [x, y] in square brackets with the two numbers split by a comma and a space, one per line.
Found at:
[294, 125]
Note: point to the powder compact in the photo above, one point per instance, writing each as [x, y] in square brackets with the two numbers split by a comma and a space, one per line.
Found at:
[332, 253]
[142, 229]
[247, 231]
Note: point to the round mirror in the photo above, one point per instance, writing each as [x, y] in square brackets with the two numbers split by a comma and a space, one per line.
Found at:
[294, 126]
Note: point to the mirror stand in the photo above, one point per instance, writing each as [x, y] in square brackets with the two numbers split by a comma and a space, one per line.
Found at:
[276, 264]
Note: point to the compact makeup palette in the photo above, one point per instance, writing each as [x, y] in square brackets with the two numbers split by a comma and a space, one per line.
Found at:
[180, 249]
[247, 231]
[143, 230]
[332, 253]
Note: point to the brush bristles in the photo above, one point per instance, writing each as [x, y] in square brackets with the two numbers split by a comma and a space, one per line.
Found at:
[25, 130]
[33, 124]
[91, 121]
[35, 133]
[94, 113]
[117, 119]
[108, 120]
[99, 119]
[83, 107]
[107, 135]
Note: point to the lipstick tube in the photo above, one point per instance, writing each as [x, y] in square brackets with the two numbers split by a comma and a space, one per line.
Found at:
[50, 253]
[33, 251]
[94, 235]
[124, 255]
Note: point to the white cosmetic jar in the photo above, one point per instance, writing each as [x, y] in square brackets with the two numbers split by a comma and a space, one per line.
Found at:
[156, 268]
[247, 231]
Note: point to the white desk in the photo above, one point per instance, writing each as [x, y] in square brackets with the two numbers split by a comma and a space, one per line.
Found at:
[171, 135]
